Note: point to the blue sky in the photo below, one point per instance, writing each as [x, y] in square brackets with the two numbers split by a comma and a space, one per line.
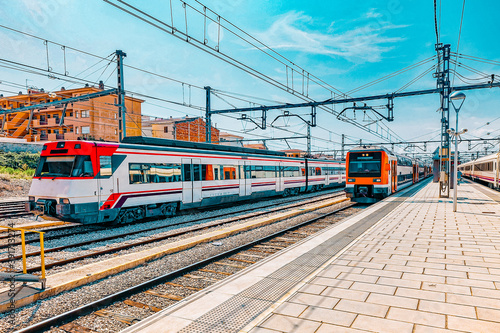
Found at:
[345, 44]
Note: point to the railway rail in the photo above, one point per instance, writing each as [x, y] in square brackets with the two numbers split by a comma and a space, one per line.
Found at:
[126, 246]
[79, 229]
[210, 270]
[12, 209]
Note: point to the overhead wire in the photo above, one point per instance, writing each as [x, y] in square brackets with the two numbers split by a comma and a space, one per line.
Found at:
[224, 57]
[391, 75]
[459, 35]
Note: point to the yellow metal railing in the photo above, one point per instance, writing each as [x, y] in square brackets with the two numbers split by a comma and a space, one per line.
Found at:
[23, 246]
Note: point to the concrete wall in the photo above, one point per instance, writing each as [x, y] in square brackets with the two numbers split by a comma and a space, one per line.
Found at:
[13, 146]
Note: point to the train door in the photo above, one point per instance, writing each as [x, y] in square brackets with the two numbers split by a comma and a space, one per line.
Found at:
[105, 180]
[248, 178]
[326, 174]
[394, 176]
[191, 186]
[415, 173]
[496, 166]
[280, 186]
[242, 179]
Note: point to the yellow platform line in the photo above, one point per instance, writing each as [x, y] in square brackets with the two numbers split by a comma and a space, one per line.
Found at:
[80, 276]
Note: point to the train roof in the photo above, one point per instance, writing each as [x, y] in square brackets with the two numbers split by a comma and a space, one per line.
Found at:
[366, 148]
[486, 158]
[141, 140]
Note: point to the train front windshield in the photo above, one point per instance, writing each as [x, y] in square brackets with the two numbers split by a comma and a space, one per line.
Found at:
[64, 166]
[365, 164]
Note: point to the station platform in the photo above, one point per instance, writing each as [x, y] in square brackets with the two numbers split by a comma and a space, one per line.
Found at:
[406, 264]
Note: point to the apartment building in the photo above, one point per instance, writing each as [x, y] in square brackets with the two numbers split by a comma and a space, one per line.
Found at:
[95, 119]
[185, 129]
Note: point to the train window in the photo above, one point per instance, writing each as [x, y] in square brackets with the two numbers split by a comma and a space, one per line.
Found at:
[230, 171]
[138, 173]
[248, 172]
[186, 172]
[196, 172]
[164, 173]
[65, 166]
[291, 171]
[207, 172]
[365, 164]
[105, 166]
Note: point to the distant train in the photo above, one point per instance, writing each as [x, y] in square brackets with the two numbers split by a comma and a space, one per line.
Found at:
[484, 170]
[374, 173]
[95, 182]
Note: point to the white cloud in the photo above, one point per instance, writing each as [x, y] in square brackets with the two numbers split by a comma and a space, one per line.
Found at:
[372, 14]
[364, 43]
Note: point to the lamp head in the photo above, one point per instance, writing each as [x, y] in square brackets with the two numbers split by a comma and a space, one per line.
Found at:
[457, 95]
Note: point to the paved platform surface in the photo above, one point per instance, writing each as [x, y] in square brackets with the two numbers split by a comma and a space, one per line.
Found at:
[416, 266]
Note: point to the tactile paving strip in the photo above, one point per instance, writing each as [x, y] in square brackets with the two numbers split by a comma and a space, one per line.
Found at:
[233, 314]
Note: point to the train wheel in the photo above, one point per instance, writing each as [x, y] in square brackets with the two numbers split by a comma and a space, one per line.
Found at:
[286, 193]
[139, 213]
[168, 209]
[125, 216]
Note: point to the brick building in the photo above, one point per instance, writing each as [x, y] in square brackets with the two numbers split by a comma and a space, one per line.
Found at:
[294, 152]
[95, 119]
[185, 129]
[256, 146]
[228, 139]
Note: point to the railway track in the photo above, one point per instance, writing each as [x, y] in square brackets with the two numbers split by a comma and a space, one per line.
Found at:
[10, 209]
[154, 239]
[177, 285]
[79, 229]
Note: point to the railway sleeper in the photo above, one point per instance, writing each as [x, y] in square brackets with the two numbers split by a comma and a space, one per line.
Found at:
[214, 272]
[141, 305]
[126, 319]
[167, 296]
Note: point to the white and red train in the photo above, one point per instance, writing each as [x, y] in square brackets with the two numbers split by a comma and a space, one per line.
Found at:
[95, 182]
[374, 173]
[485, 170]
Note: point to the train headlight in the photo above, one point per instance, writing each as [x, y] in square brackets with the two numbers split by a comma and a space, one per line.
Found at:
[351, 180]
[376, 180]
[63, 201]
[31, 198]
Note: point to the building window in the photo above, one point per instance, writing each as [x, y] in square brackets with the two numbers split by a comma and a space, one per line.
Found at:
[115, 115]
[116, 131]
[76, 114]
[85, 129]
[85, 113]
[76, 130]
[165, 129]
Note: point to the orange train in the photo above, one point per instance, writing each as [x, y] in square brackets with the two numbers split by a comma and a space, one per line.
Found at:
[374, 173]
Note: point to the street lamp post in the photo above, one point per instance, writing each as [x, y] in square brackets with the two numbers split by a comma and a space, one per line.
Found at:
[456, 96]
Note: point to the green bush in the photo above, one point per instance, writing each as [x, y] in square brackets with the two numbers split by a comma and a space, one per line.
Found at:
[16, 173]
[19, 161]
